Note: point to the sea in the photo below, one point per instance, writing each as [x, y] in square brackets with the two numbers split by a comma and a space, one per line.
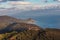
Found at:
[47, 18]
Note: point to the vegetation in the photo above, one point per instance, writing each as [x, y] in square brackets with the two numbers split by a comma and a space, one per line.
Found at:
[23, 31]
[31, 35]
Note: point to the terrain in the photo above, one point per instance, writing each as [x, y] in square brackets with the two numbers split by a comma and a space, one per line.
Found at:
[13, 29]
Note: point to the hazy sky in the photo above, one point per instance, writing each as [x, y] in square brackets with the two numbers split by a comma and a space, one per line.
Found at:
[41, 1]
[26, 5]
[4, 3]
[33, 1]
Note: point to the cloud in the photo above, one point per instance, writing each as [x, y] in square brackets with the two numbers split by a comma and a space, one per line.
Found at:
[19, 3]
[26, 5]
[59, 0]
[0, 0]
[10, 0]
[3, 0]
[22, 5]
[12, 7]
[16, 0]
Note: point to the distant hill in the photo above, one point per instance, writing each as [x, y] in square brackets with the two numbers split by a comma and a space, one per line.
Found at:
[10, 23]
[6, 20]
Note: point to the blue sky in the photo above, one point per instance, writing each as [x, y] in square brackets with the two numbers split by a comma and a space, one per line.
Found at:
[34, 1]
[43, 1]
[4, 3]
[38, 1]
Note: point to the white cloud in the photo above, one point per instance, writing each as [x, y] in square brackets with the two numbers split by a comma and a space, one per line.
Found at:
[0, 0]
[27, 5]
[59, 0]
[19, 3]
[23, 5]
[20, 6]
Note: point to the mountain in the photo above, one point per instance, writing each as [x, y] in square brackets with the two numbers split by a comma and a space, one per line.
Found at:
[20, 27]
[6, 20]
[10, 23]
[13, 29]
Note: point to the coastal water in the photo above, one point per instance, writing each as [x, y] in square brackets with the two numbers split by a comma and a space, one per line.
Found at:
[44, 18]
[48, 21]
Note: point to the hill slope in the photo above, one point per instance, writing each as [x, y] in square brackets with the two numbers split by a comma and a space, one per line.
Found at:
[14, 29]
[6, 20]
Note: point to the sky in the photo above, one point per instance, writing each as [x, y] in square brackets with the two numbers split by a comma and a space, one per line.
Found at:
[40, 1]
[9, 3]
[34, 1]
[26, 5]
[4, 3]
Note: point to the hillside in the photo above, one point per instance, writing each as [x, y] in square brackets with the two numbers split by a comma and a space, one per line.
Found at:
[20, 27]
[6, 20]
[52, 33]
[13, 29]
